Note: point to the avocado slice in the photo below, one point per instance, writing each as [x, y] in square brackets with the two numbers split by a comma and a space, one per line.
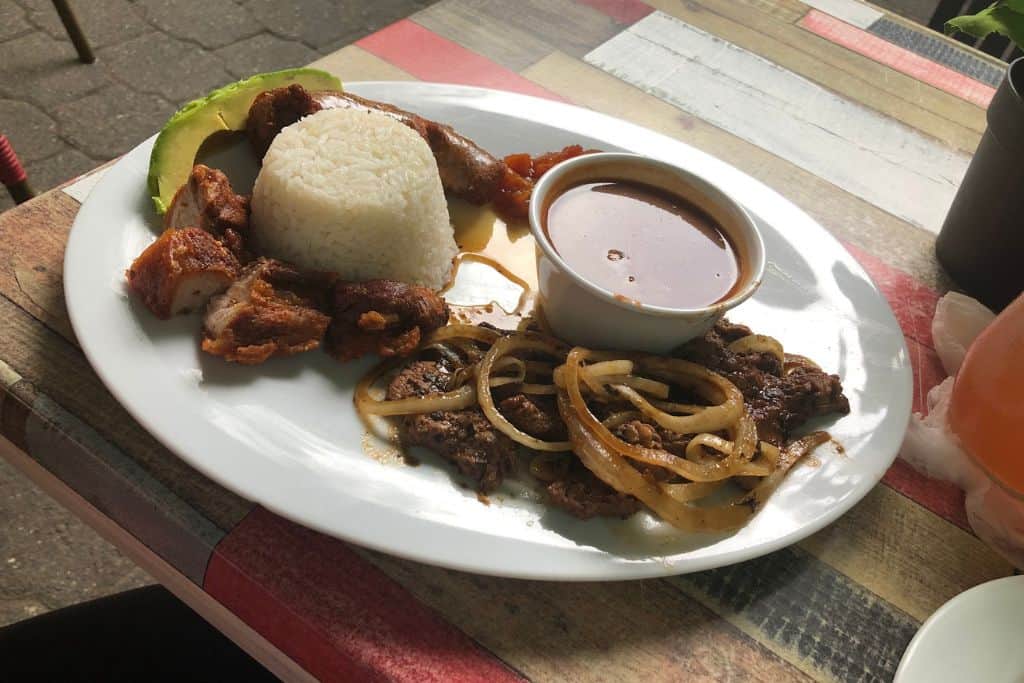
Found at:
[224, 109]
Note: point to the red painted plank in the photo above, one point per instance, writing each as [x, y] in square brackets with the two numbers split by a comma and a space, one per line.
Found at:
[429, 57]
[898, 58]
[623, 11]
[911, 301]
[335, 614]
[913, 304]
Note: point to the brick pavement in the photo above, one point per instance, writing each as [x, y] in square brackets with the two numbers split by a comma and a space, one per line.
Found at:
[64, 118]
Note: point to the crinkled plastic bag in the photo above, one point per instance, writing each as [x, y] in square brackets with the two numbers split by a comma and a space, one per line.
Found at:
[932, 449]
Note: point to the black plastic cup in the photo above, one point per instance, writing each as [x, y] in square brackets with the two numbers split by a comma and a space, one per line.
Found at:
[981, 244]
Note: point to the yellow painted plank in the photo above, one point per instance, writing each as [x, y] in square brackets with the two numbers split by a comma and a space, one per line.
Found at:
[788, 11]
[624, 631]
[911, 557]
[848, 217]
[944, 116]
[517, 34]
[353, 63]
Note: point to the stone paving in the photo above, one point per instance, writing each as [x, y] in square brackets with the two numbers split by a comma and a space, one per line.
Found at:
[64, 118]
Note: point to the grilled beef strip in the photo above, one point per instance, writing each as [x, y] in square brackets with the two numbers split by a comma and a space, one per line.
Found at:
[464, 437]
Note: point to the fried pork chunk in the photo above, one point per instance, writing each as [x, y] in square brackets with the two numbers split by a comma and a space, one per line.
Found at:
[206, 201]
[382, 316]
[467, 171]
[464, 437]
[273, 309]
[180, 271]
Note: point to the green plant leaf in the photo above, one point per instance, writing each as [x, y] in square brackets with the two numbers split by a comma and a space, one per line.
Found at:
[1005, 18]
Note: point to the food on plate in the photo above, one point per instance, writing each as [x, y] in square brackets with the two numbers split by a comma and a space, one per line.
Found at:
[181, 270]
[346, 243]
[466, 170]
[385, 317]
[224, 109]
[356, 193]
[611, 432]
[272, 309]
[522, 172]
[206, 201]
[455, 429]
[643, 243]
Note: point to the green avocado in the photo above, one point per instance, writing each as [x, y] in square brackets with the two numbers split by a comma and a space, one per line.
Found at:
[224, 109]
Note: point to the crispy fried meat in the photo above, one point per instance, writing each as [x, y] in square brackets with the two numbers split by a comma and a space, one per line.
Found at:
[273, 309]
[206, 201]
[180, 271]
[382, 316]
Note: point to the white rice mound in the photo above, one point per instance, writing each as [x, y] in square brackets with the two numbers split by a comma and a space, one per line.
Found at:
[357, 193]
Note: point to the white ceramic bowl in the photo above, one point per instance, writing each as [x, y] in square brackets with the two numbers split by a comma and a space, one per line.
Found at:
[976, 636]
[584, 313]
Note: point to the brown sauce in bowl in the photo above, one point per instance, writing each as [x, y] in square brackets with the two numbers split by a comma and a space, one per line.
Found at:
[643, 244]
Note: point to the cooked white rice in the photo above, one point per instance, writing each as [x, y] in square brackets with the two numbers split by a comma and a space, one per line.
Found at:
[357, 193]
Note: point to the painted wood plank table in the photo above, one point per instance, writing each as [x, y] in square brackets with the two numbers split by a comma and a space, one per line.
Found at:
[863, 120]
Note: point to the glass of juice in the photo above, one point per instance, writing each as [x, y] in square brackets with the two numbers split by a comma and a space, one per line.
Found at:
[987, 407]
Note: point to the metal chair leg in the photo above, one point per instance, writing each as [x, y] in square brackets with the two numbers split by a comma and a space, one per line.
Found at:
[12, 175]
[67, 17]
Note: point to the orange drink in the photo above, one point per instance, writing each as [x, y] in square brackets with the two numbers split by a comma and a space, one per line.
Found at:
[987, 407]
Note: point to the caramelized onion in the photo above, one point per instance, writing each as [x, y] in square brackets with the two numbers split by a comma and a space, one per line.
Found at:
[481, 334]
[723, 469]
[620, 418]
[793, 361]
[788, 457]
[758, 343]
[686, 493]
[651, 387]
[503, 346]
[547, 389]
[463, 397]
[723, 444]
[615, 471]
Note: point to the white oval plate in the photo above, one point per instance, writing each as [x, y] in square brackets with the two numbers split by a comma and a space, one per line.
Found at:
[285, 434]
[976, 636]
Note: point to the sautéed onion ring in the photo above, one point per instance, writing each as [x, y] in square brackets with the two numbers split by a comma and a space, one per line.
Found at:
[715, 441]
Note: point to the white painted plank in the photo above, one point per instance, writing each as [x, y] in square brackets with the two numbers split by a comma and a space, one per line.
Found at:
[872, 156]
[81, 188]
[851, 11]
